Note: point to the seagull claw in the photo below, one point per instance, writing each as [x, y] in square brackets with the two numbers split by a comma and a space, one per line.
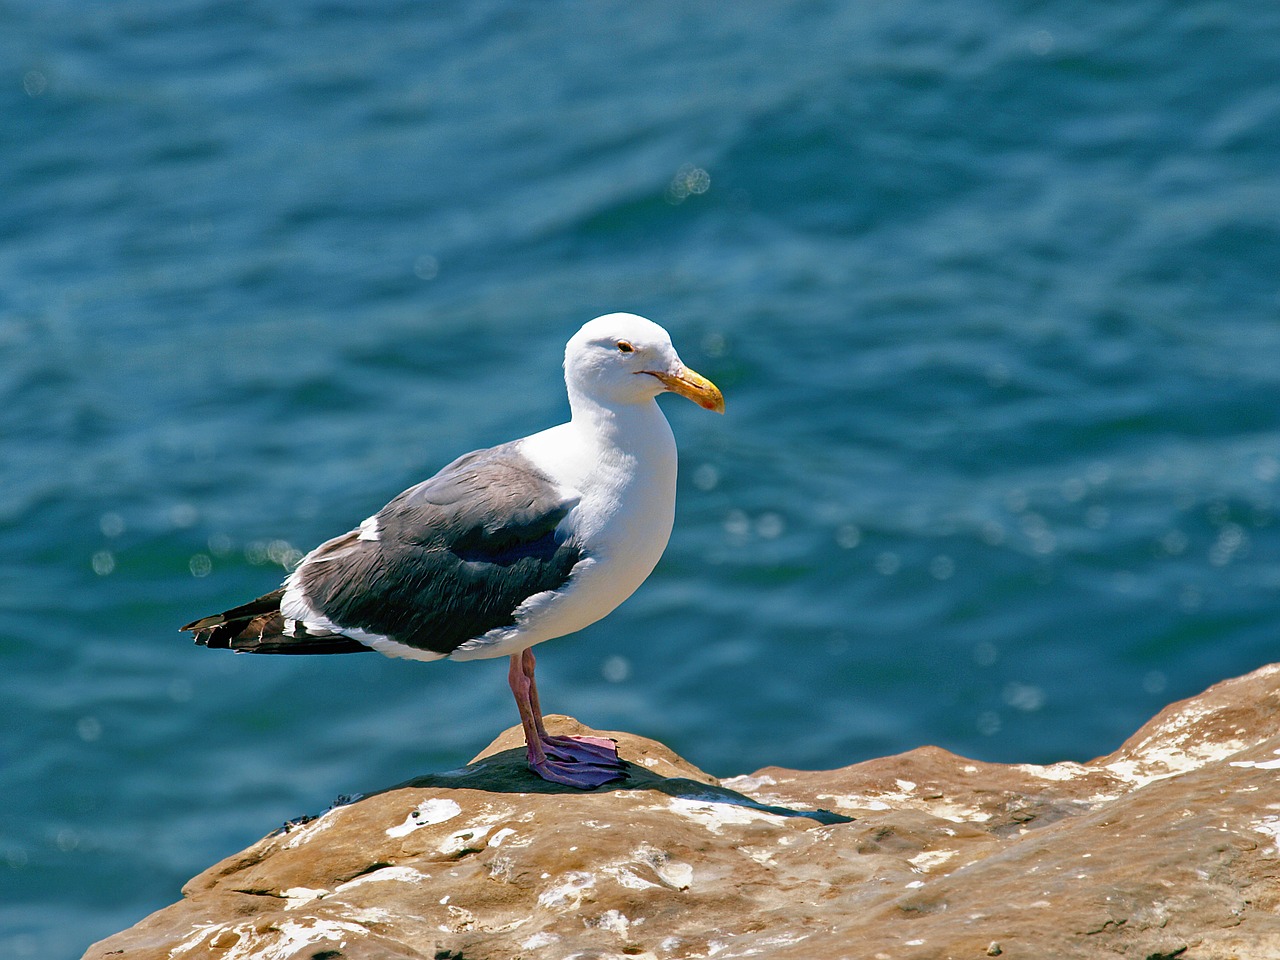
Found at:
[595, 750]
[584, 776]
[582, 762]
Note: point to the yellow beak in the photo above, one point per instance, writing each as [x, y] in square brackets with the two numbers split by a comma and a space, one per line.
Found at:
[693, 386]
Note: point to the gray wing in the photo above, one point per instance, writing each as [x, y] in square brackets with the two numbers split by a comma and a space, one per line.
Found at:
[453, 557]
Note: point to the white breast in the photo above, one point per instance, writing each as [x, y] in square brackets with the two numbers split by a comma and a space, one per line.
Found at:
[625, 479]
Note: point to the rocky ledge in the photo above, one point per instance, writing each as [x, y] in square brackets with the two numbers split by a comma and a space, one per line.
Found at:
[1166, 848]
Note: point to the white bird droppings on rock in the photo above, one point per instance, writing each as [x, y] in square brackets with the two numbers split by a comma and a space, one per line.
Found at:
[715, 815]
[501, 835]
[568, 893]
[300, 896]
[540, 940]
[401, 874]
[1270, 826]
[432, 811]
[744, 784]
[1258, 764]
[611, 921]
[463, 840]
[303, 834]
[926, 861]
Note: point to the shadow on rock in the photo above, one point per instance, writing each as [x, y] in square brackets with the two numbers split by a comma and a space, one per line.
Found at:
[501, 768]
[506, 771]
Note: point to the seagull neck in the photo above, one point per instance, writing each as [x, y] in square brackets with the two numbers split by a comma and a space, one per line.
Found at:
[620, 426]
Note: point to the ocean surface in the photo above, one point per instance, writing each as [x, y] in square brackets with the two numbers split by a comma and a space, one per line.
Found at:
[992, 290]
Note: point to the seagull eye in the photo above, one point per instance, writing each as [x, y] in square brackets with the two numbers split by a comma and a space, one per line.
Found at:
[625, 346]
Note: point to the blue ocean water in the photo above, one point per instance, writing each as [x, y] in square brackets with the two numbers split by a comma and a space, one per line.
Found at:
[992, 290]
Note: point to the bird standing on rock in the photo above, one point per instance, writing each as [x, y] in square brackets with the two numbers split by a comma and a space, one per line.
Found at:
[505, 547]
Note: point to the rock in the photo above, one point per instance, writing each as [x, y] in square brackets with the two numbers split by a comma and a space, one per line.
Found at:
[1166, 848]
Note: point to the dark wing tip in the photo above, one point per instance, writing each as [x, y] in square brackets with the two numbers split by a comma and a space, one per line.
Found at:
[258, 627]
[220, 630]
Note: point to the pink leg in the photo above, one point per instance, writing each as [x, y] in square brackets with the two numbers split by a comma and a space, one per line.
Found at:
[578, 746]
[583, 762]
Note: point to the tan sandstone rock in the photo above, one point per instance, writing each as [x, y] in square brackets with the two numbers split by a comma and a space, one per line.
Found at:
[1166, 848]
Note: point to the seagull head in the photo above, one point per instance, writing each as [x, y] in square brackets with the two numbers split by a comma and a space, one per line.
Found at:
[621, 358]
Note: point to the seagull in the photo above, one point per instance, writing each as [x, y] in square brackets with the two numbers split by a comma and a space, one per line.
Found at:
[505, 547]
